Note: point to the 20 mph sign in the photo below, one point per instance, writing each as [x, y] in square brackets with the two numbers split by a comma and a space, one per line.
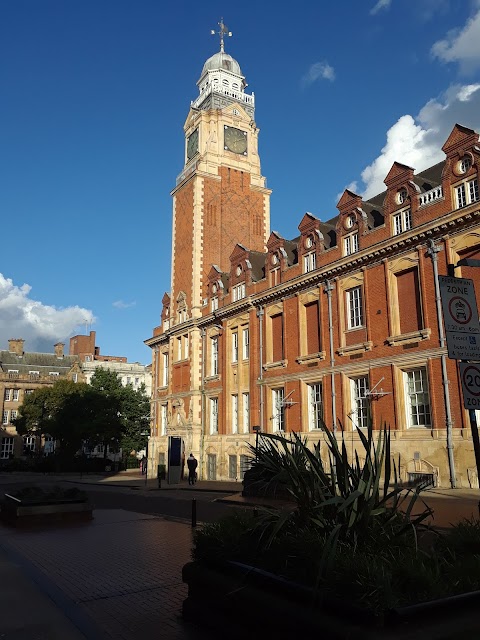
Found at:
[470, 375]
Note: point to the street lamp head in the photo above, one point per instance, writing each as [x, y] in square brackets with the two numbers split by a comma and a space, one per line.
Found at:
[468, 262]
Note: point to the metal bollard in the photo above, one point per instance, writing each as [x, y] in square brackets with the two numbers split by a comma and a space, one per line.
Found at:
[194, 513]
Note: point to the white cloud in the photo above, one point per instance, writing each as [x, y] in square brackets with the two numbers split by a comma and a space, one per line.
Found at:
[318, 70]
[381, 4]
[38, 324]
[461, 45]
[120, 304]
[417, 141]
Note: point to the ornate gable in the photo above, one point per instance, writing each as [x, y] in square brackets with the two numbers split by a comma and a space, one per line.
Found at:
[460, 139]
[165, 307]
[398, 175]
[240, 264]
[349, 201]
[308, 223]
[312, 238]
[400, 187]
[351, 213]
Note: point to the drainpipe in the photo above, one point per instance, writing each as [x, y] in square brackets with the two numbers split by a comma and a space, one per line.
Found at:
[203, 400]
[260, 313]
[328, 288]
[432, 251]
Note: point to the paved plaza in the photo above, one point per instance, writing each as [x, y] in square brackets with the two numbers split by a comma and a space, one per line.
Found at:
[116, 577]
[119, 576]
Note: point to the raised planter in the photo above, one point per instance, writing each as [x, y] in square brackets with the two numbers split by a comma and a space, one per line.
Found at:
[20, 512]
[273, 605]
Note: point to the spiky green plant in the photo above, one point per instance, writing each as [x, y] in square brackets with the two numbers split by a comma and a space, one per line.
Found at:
[345, 499]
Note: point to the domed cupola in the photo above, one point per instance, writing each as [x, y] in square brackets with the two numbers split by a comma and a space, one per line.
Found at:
[221, 82]
[219, 61]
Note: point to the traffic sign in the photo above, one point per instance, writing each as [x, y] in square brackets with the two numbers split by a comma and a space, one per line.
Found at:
[470, 375]
[459, 304]
[463, 346]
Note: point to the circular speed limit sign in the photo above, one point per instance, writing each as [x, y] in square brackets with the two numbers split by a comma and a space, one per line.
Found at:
[470, 375]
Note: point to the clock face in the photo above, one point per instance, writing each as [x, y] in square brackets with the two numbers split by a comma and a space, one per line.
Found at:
[235, 140]
[192, 144]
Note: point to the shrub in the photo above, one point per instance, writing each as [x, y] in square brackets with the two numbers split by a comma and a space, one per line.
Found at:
[34, 494]
[345, 498]
[349, 529]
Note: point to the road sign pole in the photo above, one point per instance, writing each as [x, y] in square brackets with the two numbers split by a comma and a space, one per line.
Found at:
[475, 438]
[476, 444]
[469, 373]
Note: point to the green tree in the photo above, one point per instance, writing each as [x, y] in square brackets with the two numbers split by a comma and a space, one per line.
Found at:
[133, 406]
[73, 414]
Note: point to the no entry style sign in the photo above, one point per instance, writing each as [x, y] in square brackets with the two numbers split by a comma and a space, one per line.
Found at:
[459, 304]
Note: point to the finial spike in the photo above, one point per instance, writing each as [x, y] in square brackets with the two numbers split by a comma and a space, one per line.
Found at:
[222, 33]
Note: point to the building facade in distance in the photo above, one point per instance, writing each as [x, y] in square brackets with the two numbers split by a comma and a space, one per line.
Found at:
[132, 373]
[339, 324]
[21, 372]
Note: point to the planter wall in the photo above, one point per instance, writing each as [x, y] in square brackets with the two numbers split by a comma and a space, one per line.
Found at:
[253, 603]
[19, 515]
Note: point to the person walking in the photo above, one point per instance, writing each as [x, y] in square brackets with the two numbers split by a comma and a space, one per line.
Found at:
[192, 468]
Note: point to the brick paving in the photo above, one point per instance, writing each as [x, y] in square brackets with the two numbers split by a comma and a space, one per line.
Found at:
[123, 571]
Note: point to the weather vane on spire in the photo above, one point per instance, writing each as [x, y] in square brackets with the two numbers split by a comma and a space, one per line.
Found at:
[222, 33]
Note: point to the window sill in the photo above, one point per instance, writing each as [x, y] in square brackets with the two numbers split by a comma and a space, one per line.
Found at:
[413, 433]
[355, 348]
[311, 357]
[406, 338]
[163, 387]
[275, 365]
[211, 378]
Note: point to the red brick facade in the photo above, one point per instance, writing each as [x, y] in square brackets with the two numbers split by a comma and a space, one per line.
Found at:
[265, 350]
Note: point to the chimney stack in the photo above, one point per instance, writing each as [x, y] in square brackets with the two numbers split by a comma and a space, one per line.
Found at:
[15, 345]
[59, 349]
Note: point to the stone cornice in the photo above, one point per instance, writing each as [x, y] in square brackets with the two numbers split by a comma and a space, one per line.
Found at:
[387, 249]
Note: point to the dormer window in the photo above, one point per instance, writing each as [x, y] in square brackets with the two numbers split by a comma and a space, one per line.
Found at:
[308, 242]
[274, 260]
[309, 262]
[350, 244]
[214, 297]
[238, 292]
[402, 221]
[238, 270]
[402, 196]
[350, 221]
[466, 193]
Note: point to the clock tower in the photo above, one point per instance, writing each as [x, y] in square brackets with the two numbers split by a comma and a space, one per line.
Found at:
[220, 198]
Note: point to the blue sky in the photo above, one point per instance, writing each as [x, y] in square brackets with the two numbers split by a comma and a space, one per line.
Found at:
[94, 97]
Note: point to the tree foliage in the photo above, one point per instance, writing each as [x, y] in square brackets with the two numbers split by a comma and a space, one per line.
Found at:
[134, 408]
[104, 412]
